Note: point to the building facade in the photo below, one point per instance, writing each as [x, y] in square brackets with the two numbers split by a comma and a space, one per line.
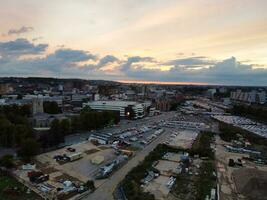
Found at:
[127, 109]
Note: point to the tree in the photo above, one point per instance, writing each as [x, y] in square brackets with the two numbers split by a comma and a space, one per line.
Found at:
[65, 127]
[28, 149]
[76, 124]
[7, 161]
[258, 113]
[56, 134]
[51, 107]
[90, 184]
[86, 109]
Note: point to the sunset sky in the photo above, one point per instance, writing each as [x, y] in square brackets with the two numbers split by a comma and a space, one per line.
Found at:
[188, 41]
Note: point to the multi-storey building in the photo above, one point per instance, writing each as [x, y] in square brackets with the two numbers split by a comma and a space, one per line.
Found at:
[126, 109]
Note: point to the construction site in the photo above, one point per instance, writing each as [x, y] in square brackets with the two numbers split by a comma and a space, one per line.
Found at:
[239, 175]
[63, 173]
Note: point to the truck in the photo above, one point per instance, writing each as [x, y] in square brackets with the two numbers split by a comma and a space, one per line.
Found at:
[75, 156]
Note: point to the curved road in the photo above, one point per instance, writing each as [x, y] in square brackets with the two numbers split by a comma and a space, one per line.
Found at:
[105, 191]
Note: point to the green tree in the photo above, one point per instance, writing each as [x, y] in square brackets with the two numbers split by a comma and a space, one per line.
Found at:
[65, 126]
[6, 133]
[51, 107]
[56, 134]
[86, 109]
[90, 184]
[7, 161]
[29, 148]
[76, 124]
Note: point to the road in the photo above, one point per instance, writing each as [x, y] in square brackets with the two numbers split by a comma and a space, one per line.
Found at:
[105, 191]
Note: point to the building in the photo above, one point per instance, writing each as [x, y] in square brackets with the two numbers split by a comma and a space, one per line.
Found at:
[37, 105]
[250, 97]
[5, 88]
[41, 120]
[163, 104]
[127, 109]
[102, 138]
[211, 92]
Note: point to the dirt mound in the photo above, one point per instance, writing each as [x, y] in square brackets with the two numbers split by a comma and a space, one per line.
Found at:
[252, 183]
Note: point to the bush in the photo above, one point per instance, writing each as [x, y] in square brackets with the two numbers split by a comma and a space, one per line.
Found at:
[7, 161]
[202, 145]
[90, 184]
[258, 113]
[28, 149]
[131, 183]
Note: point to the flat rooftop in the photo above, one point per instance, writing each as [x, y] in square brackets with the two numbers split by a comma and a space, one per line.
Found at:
[113, 103]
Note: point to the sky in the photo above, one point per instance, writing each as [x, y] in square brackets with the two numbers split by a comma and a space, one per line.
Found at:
[170, 41]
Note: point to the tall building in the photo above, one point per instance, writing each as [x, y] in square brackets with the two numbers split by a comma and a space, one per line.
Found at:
[252, 96]
[37, 105]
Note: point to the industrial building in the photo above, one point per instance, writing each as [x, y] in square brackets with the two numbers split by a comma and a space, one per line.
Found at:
[127, 109]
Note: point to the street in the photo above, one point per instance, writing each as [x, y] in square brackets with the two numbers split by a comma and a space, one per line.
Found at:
[105, 191]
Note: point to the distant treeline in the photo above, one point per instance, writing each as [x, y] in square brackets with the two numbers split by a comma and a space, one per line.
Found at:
[16, 132]
[256, 113]
[14, 126]
[86, 121]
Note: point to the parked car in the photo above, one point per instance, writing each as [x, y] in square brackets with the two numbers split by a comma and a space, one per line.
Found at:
[71, 149]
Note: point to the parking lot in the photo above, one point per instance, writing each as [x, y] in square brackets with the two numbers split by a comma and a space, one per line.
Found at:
[79, 170]
[66, 170]
[244, 123]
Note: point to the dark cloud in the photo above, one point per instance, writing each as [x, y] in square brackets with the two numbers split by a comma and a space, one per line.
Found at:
[59, 61]
[69, 55]
[68, 62]
[102, 62]
[200, 60]
[126, 66]
[228, 71]
[107, 59]
[23, 29]
[20, 47]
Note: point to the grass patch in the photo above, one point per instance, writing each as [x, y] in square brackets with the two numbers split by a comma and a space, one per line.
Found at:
[184, 187]
[206, 180]
[11, 189]
[201, 145]
[229, 132]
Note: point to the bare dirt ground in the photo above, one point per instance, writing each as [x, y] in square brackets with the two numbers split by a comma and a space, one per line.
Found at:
[229, 183]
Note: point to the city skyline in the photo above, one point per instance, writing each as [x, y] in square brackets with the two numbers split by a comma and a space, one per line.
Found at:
[191, 42]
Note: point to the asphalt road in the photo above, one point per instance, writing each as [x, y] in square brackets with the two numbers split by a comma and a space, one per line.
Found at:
[105, 191]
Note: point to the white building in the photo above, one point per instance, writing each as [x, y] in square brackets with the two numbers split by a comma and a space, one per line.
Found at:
[37, 105]
[2, 102]
[127, 109]
[249, 97]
